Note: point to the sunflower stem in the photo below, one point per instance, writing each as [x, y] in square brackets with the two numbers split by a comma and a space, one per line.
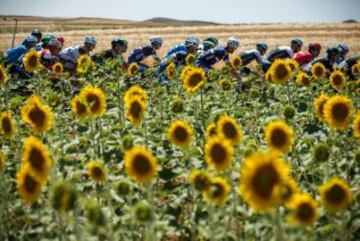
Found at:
[6, 95]
[289, 93]
[278, 229]
[202, 108]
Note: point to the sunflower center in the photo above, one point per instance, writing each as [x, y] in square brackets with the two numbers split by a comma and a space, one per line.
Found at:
[141, 164]
[30, 184]
[281, 72]
[33, 60]
[340, 112]
[278, 137]
[286, 192]
[201, 182]
[229, 130]
[318, 71]
[6, 125]
[81, 108]
[335, 195]
[136, 110]
[218, 153]
[37, 159]
[37, 116]
[97, 172]
[306, 80]
[217, 190]
[264, 180]
[305, 212]
[180, 134]
[94, 102]
[195, 79]
[337, 80]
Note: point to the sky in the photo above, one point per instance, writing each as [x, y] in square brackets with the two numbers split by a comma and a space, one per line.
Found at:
[221, 11]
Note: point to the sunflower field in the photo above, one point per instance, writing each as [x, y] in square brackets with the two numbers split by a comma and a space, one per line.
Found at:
[113, 155]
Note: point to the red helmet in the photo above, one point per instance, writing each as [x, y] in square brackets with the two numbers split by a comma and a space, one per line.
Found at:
[314, 46]
[61, 39]
[55, 44]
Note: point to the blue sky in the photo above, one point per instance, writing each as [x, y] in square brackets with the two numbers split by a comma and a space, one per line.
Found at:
[224, 11]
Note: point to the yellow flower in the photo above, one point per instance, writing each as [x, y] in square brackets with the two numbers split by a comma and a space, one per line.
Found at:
[337, 80]
[303, 79]
[7, 125]
[2, 161]
[3, 75]
[132, 69]
[288, 189]
[97, 171]
[218, 192]
[227, 128]
[235, 62]
[190, 59]
[83, 64]
[201, 180]
[37, 114]
[280, 72]
[319, 104]
[134, 91]
[180, 133]
[171, 71]
[95, 100]
[185, 71]
[356, 125]
[79, 107]
[36, 157]
[57, 68]
[218, 153]
[225, 84]
[355, 69]
[262, 175]
[268, 76]
[337, 111]
[318, 71]
[335, 195]
[304, 210]
[140, 164]
[293, 64]
[279, 136]
[194, 79]
[135, 109]
[211, 130]
[31, 61]
[28, 185]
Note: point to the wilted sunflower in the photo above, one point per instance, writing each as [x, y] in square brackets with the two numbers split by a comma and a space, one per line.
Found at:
[132, 69]
[190, 59]
[318, 71]
[227, 128]
[235, 62]
[200, 179]
[288, 189]
[134, 91]
[2, 161]
[303, 79]
[185, 71]
[180, 133]
[194, 79]
[319, 104]
[218, 153]
[335, 194]
[135, 109]
[211, 130]
[279, 136]
[97, 171]
[356, 125]
[218, 191]
[304, 210]
[3, 75]
[171, 71]
[7, 125]
[28, 185]
[57, 69]
[337, 111]
[262, 175]
[280, 71]
[337, 80]
[36, 157]
[83, 64]
[225, 84]
[140, 164]
[95, 100]
[293, 64]
[37, 114]
[31, 61]
[79, 107]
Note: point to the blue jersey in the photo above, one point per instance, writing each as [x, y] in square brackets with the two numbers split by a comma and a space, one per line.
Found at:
[248, 56]
[13, 55]
[211, 57]
[139, 54]
[177, 48]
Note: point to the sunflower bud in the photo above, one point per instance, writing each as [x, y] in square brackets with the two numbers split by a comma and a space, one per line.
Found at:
[64, 197]
[357, 157]
[123, 188]
[127, 142]
[321, 152]
[177, 105]
[94, 214]
[289, 112]
[143, 211]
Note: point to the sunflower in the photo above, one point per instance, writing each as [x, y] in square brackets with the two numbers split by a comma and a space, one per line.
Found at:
[218, 153]
[318, 71]
[185, 71]
[268, 77]
[235, 62]
[63, 197]
[31, 61]
[304, 210]
[180, 133]
[356, 125]
[218, 191]
[132, 69]
[293, 64]
[57, 69]
[262, 175]
[36, 157]
[227, 128]
[134, 91]
[135, 109]
[337, 80]
[83, 63]
[279, 136]
[200, 180]
[303, 79]
[211, 130]
[28, 185]
[190, 59]
[7, 125]
[280, 72]
[335, 194]
[97, 171]
[37, 114]
[140, 164]
[95, 100]
[171, 71]
[3, 75]
[194, 79]
[79, 107]
[337, 111]
[355, 69]
[288, 189]
[2, 161]
[319, 104]
[225, 84]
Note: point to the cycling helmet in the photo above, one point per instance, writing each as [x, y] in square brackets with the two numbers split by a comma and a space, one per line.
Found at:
[297, 41]
[30, 39]
[48, 38]
[55, 44]
[233, 42]
[36, 33]
[212, 40]
[156, 40]
[314, 46]
[343, 48]
[192, 41]
[332, 50]
[61, 39]
[90, 40]
[180, 57]
[262, 46]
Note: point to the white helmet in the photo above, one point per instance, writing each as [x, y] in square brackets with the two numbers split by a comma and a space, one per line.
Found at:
[233, 42]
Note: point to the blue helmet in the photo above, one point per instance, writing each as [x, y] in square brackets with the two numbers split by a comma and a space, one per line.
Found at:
[30, 39]
[192, 41]
[180, 57]
[343, 48]
[90, 40]
[233, 42]
[156, 40]
[262, 46]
